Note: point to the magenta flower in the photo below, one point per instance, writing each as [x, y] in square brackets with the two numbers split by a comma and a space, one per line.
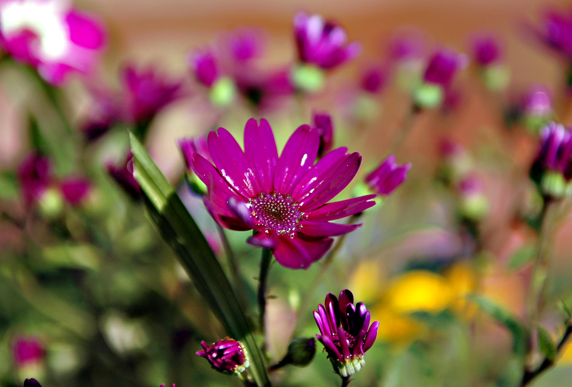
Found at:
[322, 43]
[50, 36]
[203, 65]
[27, 351]
[227, 356]
[442, 67]
[105, 111]
[34, 176]
[148, 93]
[32, 383]
[242, 45]
[406, 47]
[373, 79]
[75, 190]
[387, 177]
[122, 173]
[283, 199]
[555, 152]
[537, 102]
[192, 145]
[264, 89]
[345, 332]
[323, 123]
[486, 49]
[556, 32]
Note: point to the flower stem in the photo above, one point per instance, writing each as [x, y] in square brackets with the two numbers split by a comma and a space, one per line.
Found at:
[405, 129]
[346, 380]
[265, 262]
[233, 266]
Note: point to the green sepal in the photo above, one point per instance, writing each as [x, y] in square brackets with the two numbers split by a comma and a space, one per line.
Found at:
[546, 343]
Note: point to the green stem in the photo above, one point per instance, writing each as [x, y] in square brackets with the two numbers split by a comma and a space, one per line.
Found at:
[346, 380]
[404, 130]
[233, 266]
[265, 262]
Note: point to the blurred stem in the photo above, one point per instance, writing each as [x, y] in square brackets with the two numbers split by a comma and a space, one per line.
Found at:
[539, 271]
[405, 129]
[346, 380]
[234, 269]
[528, 376]
[265, 262]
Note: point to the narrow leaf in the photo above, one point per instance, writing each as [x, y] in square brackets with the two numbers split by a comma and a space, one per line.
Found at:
[547, 345]
[179, 229]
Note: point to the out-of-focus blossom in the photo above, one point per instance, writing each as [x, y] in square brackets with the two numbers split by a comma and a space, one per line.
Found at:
[242, 45]
[406, 52]
[345, 332]
[32, 383]
[537, 107]
[485, 49]
[387, 177]
[283, 199]
[264, 90]
[189, 147]
[122, 173]
[227, 356]
[147, 93]
[27, 352]
[373, 79]
[552, 168]
[34, 176]
[473, 203]
[556, 32]
[322, 43]
[50, 36]
[162, 385]
[456, 162]
[203, 65]
[442, 66]
[323, 123]
[75, 190]
[105, 111]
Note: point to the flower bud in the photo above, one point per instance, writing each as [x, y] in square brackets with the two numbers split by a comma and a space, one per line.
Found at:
[227, 356]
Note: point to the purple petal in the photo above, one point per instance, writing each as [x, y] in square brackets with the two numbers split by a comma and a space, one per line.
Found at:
[210, 176]
[330, 347]
[332, 183]
[260, 150]
[296, 253]
[341, 209]
[325, 229]
[344, 342]
[326, 321]
[240, 209]
[85, 31]
[316, 175]
[346, 298]
[232, 164]
[75, 190]
[263, 240]
[296, 159]
[371, 336]
[322, 326]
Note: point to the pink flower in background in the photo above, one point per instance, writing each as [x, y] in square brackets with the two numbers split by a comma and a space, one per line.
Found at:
[105, 111]
[204, 66]
[387, 177]
[322, 43]
[27, 352]
[122, 173]
[537, 102]
[373, 79]
[323, 123]
[147, 92]
[555, 150]
[35, 177]
[242, 45]
[51, 36]
[75, 190]
[264, 89]
[486, 49]
[442, 66]
[283, 199]
[556, 32]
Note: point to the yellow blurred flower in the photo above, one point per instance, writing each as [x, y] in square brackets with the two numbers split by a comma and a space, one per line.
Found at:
[419, 291]
[366, 281]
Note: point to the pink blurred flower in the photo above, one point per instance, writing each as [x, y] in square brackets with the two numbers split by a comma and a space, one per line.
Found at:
[122, 173]
[51, 36]
[556, 32]
[373, 79]
[442, 66]
[486, 49]
[75, 190]
[323, 123]
[204, 66]
[27, 351]
[387, 177]
[35, 177]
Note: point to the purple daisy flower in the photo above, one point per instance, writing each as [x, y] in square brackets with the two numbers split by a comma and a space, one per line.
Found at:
[345, 332]
[204, 66]
[323, 123]
[556, 32]
[27, 351]
[322, 43]
[387, 177]
[227, 356]
[537, 102]
[555, 153]
[373, 79]
[148, 93]
[486, 49]
[283, 199]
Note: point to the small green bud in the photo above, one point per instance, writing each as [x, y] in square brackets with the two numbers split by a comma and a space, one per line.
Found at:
[475, 207]
[554, 185]
[222, 92]
[308, 78]
[51, 203]
[301, 351]
[428, 96]
[496, 78]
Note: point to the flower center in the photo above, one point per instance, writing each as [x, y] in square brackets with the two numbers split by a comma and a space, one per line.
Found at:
[276, 212]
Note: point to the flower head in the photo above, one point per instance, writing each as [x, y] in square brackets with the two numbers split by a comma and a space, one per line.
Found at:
[50, 36]
[322, 43]
[105, 111]
[442, 66]
[345, 332]
[264, 89]
[35, 177]
[243, 44]
[556, 32]
[204, 66]
[283, 199]
[323, 123]
[373, 79]
[486, 50]
[387, 177]
[122, 173]
[32, 383]
[75, 190]
[27, 351]
[148, 92]
[227, 356]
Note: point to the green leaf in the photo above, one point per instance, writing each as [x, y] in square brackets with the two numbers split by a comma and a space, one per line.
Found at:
[504, 317]
[547, 345]
[522, 256]
[179, 229]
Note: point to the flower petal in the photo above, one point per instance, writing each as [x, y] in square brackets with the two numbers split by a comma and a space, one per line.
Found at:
[325, 229]
[331, 183]
[261, 152]
[296, 159]
[261, 239]
[341, 209]
[315, 176]
[232, 164]
[296, 253]
[371, 336]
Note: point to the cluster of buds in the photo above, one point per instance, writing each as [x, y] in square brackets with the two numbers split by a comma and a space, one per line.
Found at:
[345, 332]
[552, 167]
